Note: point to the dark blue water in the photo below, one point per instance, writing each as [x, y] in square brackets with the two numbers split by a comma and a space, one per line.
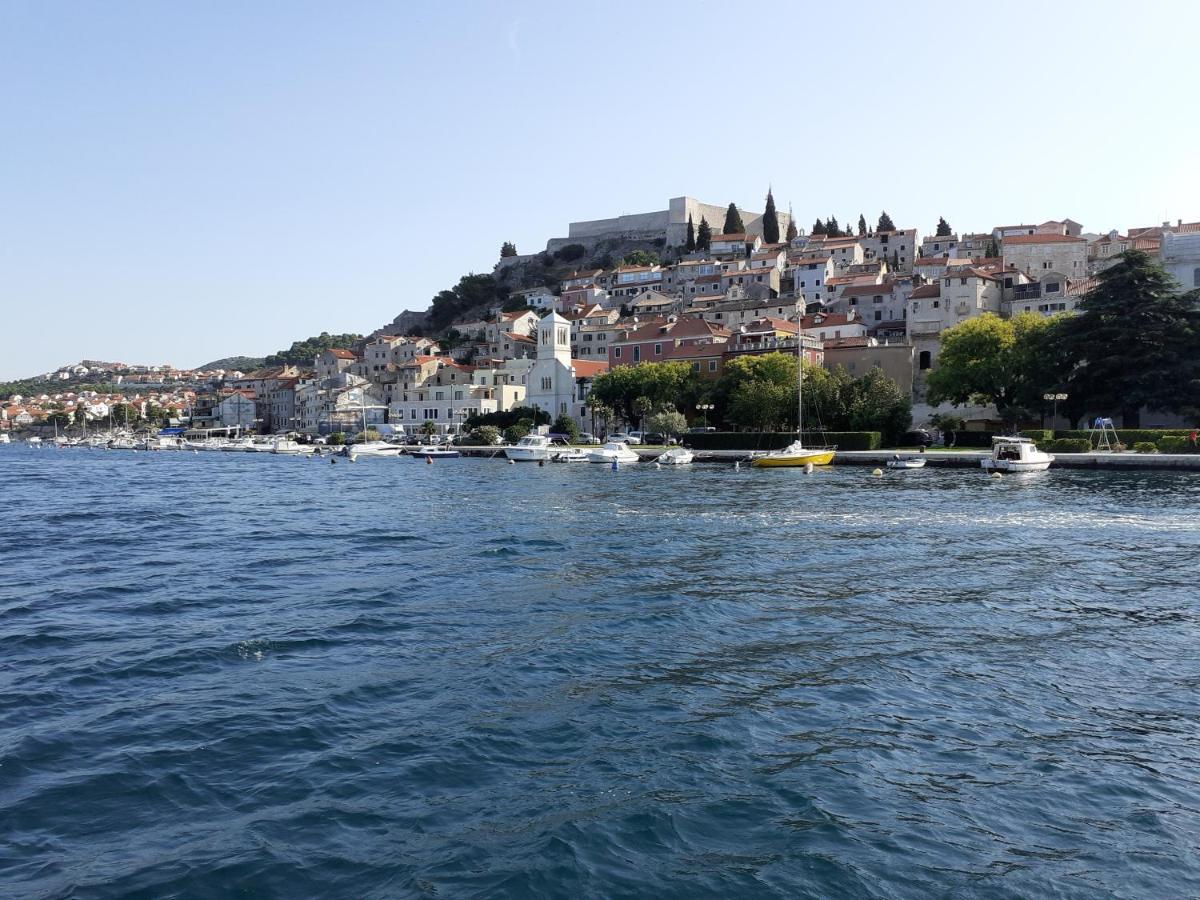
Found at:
[248, 675]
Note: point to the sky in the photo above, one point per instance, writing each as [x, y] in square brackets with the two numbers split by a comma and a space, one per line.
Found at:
[190, 180]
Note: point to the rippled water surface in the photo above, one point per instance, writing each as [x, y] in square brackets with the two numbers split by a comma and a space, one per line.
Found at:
[249, 675]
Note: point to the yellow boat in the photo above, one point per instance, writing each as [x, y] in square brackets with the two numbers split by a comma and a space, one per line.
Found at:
[795, 454]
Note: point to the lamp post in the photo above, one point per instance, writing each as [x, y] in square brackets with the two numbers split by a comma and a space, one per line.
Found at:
[1054, 398]
[704, 408]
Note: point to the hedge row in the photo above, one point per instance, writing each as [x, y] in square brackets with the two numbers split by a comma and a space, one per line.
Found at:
[972, 439]
[1038, 434]
[776, 440]
[1129, 436]
[1064, 445]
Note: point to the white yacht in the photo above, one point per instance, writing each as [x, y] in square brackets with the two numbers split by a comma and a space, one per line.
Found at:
[1016, 454]
[568, 455]
[531, 448]
[373, 448]
[291, 447]
[613, 452]
[676, 456]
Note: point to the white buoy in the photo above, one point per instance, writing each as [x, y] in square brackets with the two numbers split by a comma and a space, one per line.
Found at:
[878, 473]
[658, 465]
[808, 468]
[997, 475]
[512, 462]
[737, 465]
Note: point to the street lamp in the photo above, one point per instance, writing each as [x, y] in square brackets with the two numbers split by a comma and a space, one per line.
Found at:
[704, 408]
[1054, 398]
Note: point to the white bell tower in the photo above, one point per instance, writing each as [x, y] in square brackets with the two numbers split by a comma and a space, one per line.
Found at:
[554, 339]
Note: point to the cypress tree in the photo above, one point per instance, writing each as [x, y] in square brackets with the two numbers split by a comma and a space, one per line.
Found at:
[704, 239]
[508, 249]
[831, 225]
[862, 225]
[992, 250]
[885, 222]
[770, 221]
[819, 228]
[792, 232]
[690, 246]
[943, 228]
[733, 221]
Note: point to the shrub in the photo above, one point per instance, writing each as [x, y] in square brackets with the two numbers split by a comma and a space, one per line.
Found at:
[1128, 435]
[776, 440]
[1039, 435]
[1172, 443]
[483, 436]
[514, 433]
[570, 252]
[337, 439]
[1145, 447]
[1066, 445]
[564, 424]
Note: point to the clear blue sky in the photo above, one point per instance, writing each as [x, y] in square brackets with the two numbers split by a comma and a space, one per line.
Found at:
[181, 181]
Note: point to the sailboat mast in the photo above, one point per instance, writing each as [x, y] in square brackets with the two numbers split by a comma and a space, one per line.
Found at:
[800, 377]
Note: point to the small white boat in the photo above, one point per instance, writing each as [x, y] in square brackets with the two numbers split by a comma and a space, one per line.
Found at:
[531, 448]
[1016, 454]
[433, 451]
[35, 440]
[372, 449]
[676, 456]
[290, 447]
[570, 455]
[906, 462]
[613, 451]
[5, 439]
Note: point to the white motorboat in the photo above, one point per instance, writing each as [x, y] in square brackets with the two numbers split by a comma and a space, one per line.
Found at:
[613, 452]
[5, 439]
[676, 456]
[373, 448]
[569, 455]
[906, 462]
[433, 451]
[35, 440]
[531, 448]
[1016, 454]
[291, 447]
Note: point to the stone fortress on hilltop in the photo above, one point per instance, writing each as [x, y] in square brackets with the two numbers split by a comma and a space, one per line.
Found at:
[668, 225]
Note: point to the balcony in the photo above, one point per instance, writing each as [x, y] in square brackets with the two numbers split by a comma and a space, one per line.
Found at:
[933, 326]
[1027, 292]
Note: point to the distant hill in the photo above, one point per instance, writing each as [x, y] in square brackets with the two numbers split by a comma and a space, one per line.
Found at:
[240, 363]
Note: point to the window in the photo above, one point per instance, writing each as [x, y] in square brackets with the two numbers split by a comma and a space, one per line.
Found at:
[937, 304]
[587, 338]
[962, 281]
[547, 384]
[712, 365]
[947, 282]
[878, 315]
[695, 367]
[658, 349]
[637, 353]
[924, 360]
[412, 413]
[1052, 287]
[1196, 278]
[458, 395]
[616, 352]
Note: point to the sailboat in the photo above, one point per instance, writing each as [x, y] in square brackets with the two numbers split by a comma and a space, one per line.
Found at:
[796, 454]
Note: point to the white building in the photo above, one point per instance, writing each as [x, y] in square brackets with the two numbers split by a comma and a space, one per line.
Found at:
[556, 383]
[1180, 257]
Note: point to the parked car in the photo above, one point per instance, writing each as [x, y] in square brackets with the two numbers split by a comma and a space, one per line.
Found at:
[587, 438]
[918, 437]
[623, 438]
[655, 437]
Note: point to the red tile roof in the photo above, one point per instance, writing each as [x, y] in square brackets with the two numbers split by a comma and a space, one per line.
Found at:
[926, 290]
[586, 368]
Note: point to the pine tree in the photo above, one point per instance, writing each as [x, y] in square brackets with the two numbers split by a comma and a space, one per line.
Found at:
[819, 228]
[792, 231]
[508, 249]
[862, 225]
[943, 228]
[885, 222]
[733, 221]
[690, 246]
[832, 227]
[770, 221]
[704, 238]
[992, 250]
[1136, 341]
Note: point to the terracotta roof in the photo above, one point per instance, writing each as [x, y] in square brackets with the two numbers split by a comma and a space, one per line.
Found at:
[810, 260]
[867, 290]
[727, 238]
[586, 368]
[1042, 239]
[342, 354]
[830, 320]
[926, 290]
[769, 323]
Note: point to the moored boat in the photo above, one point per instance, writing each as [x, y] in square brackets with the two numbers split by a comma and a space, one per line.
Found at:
[1016, 454]
[613, 451]
[906, 462]
[531, 448]
[433, 451]
[676, 456]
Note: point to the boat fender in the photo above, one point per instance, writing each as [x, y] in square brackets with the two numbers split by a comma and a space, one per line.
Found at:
[737, 465]
[615, 465]
[429, 460]
[808, 468]
[878, 473]
[541, 462]
[333, 462]
[511, 462]
[997, 475]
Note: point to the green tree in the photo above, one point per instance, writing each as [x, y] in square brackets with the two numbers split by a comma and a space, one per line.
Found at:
[704, 238]
[304, 352]
[666, 420]
[943, 228]
[878, 404]
[336, 439]
[862, 225]
[640, 258]
[792, 231]
[485, 435]
[733, 221]
[987, 359]
[507, 249]
[885, 223]
[763, 405]
[770, 221]
[564, 424]
[428, 428]
[1136, 341]
[658, 382]
[993, 250]
[599, 411]
[819, 228]
[690, 246]
[832, 227]
[473, 293]
[514, 433]
[61, 419]
[125, 414]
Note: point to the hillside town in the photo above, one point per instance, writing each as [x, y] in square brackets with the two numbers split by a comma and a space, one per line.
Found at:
[860, 298]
